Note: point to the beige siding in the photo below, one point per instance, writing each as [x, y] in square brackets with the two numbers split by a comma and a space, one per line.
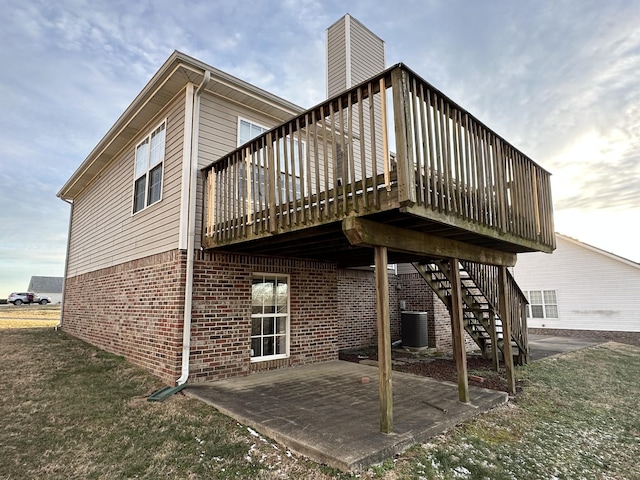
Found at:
[367, 53]
[104, 231]
[595, 290]
[219, 136]
[336, 58]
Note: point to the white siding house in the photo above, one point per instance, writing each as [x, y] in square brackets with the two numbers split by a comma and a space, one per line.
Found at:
[580, 287]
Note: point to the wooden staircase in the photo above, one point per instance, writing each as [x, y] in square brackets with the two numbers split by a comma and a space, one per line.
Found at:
[480, 311]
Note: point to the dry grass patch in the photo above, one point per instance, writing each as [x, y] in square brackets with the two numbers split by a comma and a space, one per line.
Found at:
[69, 410]
[29, 316]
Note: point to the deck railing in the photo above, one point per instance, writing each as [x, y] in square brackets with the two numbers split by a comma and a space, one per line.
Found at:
[486, 278]
[334, 160]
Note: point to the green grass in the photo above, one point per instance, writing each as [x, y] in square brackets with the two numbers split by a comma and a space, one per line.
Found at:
[578, 417]
[69, 410]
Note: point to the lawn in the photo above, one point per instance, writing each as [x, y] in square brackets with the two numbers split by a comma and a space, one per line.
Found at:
[29, 316]
[69, 410]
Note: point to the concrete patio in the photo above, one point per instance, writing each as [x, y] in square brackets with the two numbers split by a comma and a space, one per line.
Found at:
[326, 412]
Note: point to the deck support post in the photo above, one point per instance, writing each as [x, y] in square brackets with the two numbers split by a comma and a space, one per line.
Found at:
[384, 340]
[506, 329]
[457, 331]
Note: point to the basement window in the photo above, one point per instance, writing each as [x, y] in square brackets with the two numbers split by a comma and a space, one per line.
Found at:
[542, 304]
[149, 162]
[269, 317]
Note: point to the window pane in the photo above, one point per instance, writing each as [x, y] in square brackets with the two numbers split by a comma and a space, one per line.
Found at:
[267, 346]
[155, 184]
[536, 311]
[256, 344]
[256, 326]
[551, 311]
[138, 194]
[142, 156]
[281, 345]
[550, 297]
[535, 296]
[157, 146]
[245, 132]
[281, 325]
[268, 326]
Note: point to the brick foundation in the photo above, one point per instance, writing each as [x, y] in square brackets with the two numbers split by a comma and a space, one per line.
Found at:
[221, 318]
[358, 325]
[134, 309]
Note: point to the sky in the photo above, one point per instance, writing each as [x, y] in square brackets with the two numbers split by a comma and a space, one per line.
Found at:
[558, 79]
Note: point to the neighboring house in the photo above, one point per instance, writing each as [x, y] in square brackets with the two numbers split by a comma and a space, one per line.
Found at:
[47, 286]
[580, 287]
[214, 225]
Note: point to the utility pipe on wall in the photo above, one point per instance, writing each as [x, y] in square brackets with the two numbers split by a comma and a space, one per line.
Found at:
[188, 291]
[66, 264]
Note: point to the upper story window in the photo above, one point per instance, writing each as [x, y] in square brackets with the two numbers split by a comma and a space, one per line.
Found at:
[147, 187]
[289, 173]
[542, 304]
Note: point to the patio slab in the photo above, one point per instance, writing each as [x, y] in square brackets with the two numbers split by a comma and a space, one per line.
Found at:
[325, 412]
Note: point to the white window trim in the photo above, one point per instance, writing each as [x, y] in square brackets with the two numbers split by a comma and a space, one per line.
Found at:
[543, 304]
[242, 119]
[135, 178]
[287, 353]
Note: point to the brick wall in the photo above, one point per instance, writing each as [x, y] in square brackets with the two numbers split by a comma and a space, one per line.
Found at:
[357, 309]
[221, 318]
[134, 309]
[419, 296]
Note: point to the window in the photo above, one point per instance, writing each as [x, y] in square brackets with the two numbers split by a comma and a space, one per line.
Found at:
[269, 317]
[290, 182]
[147, 187]
[542, 304]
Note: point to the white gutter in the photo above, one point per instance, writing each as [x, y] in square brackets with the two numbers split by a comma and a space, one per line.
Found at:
[191, 240]
[66, 264]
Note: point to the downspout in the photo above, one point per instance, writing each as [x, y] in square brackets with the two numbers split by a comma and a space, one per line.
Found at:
[66, 264]
[191, 239]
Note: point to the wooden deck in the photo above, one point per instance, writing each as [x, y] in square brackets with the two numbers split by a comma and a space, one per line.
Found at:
[291, 191]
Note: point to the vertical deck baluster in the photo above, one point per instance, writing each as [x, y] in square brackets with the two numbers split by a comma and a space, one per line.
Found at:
[362, 155]
[415, 175]
[296, 171]
[374, 160]
[303, 174]
[341, 190]
[316, 164]
[385, 133]
[457, 184]
[438, 154]
[424, 173]
[325, 158]
[352, 163]
[433, 161]
[270, 184]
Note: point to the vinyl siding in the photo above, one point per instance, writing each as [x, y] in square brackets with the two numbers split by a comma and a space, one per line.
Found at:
[595, 291]
[336, 58]
[104, 232]
[219, 136]
[367, 53]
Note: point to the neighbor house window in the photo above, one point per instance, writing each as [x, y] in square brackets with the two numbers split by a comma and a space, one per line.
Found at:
[542, 304]
[147, 188]
[269, 317]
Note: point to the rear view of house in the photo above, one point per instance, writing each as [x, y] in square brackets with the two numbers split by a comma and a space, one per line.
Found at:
[217, 225]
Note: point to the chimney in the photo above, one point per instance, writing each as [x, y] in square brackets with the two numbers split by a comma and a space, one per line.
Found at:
[354, 54]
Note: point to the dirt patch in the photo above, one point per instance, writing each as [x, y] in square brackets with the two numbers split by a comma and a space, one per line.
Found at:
[437, 365]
